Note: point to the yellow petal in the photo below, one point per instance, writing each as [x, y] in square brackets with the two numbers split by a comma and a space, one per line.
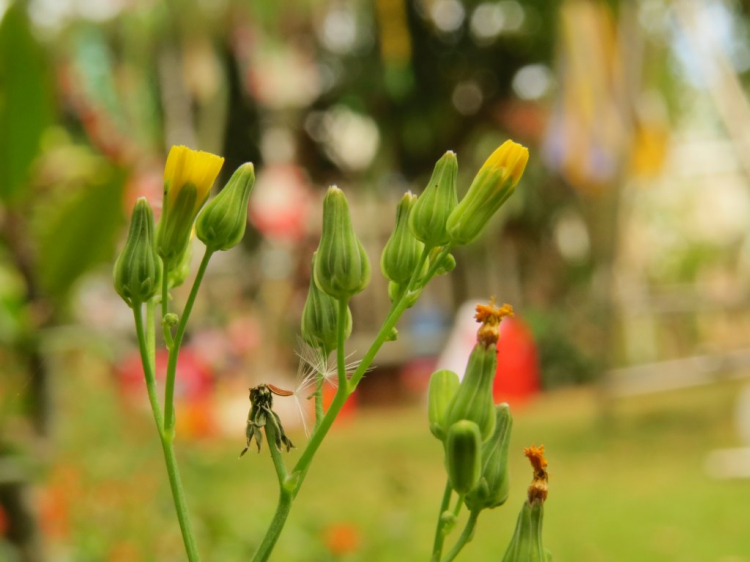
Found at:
[511, 157]
[186, 166]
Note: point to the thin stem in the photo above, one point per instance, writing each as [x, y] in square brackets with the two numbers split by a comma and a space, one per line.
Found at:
[466, 535]
[346, 387]
[278, 460]
[165, 304]
[340, 339]
[174, 350]
[178, 495]
[459, 505]
[320, 379]
[437, 547]
[151, 332]
[276, 526]
[148, 369]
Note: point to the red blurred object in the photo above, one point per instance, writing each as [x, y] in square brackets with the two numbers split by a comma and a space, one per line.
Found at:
[349, 408]
[341, 539]
[279, 206]
[517, 376]
[4, 522]
[193, 388]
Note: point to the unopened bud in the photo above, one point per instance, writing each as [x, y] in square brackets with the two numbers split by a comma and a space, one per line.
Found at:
[493, 487]
[442, 389]
[138, 269]
[222, 223]
[429, 216]
[188, 177]
[401, 254]
[493, 184]
[342, 268]
[447, 262]
[463, 455]
[319, 319]
[170, 319]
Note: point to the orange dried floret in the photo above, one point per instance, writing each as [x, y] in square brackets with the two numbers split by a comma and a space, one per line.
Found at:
[536, 457]
[538, 488]
[490, 316]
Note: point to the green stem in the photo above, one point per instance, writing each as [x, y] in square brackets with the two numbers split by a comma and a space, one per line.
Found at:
[340, 340]
[278, 461]
[466, 535]
[276, 526]
[437, 547]
[174, 350]
[165, 304]
[320, 379]
[148, 368]
[151, 333]
[346, 387]
[178, 495]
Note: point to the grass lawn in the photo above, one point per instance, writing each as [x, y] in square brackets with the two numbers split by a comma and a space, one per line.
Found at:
[628, 488]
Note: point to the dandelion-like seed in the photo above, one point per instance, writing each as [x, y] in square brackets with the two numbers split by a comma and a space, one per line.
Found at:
[314, 370]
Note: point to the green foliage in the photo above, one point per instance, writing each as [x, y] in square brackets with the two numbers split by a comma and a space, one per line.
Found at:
[26, 107]
[80, 233]
[562, 362]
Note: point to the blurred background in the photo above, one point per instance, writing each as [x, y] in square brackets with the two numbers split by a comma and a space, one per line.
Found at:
[625, 252]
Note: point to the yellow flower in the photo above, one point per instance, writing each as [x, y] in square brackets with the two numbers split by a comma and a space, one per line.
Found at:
[186, 166]
[493, 184]
[511, 158]
[188, 177]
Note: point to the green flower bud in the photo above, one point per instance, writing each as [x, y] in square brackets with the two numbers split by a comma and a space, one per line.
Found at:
[463, 456]
[493, 487]
[222, 223]
[392, 335]
[188, 177]
[137, 271]
[401, 254]
[429, 216]
[342, 268]
[319, 318]
[181, 268]
[495, 182]
[526, 544]
[447, 263]
[473, 400]
[170, 319]
[443, 387]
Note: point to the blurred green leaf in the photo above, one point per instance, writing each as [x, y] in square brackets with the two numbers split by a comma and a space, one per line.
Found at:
[82, 234]
[26, 102]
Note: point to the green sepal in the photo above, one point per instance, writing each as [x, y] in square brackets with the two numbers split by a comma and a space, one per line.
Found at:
[175, 226]
[342, 268]
[180, 269]
[473, 400]
[429, 216]
[221, 224]
[493, 487]
[526, 544]
[443, 387]
[138, 269]
[489, 190]
[319, 319]
[463, 457]
[401, 254]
